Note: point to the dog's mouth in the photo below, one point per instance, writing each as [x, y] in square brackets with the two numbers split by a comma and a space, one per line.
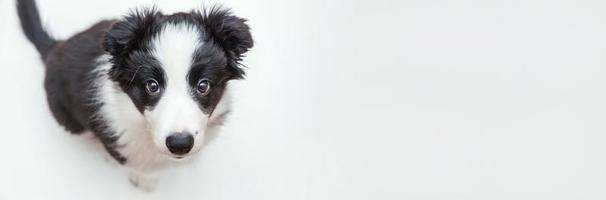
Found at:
[178, 157]
[173, 156]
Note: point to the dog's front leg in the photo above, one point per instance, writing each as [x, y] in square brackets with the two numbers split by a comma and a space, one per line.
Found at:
[145, 182]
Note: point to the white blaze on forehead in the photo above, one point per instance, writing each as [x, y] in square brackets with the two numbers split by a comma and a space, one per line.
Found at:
[177, 111]
[174, 47]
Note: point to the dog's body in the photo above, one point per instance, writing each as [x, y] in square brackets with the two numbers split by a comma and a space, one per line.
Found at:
[149, 86]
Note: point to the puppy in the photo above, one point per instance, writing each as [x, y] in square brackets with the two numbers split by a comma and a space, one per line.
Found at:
[149, 86]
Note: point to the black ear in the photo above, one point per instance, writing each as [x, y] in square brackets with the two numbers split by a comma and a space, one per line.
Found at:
[230, 32]
[127, 33]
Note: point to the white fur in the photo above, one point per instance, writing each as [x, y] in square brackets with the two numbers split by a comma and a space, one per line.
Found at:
[143, 181]
[176, 111]
[126, 121]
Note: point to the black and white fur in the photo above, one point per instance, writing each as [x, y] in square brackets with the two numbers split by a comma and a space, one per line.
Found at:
[136, 81]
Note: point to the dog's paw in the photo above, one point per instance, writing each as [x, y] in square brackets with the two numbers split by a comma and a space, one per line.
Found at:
[142, 182]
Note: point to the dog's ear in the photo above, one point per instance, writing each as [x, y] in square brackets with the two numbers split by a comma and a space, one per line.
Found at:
[230, 32]
[127, 33]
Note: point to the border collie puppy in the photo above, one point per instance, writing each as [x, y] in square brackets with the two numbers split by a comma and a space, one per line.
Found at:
[149, 86]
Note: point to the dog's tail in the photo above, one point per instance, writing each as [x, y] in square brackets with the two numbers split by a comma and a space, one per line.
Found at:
[32, 27]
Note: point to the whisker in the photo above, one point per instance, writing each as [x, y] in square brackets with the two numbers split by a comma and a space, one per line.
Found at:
[133, 78]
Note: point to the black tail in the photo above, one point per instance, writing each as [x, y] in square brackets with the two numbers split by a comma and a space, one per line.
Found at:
[32, 27]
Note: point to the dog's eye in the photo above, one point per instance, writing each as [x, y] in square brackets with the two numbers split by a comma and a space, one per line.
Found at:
[203, 87]
[152, 87]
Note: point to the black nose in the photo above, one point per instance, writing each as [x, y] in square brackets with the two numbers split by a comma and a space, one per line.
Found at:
[180, 143]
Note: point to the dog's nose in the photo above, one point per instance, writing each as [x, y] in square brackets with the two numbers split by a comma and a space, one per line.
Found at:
[180, 143]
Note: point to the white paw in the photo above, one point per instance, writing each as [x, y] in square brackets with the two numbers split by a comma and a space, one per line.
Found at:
[143, 182]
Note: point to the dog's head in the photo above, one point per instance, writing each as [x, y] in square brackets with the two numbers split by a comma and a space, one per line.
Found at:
[175, 69]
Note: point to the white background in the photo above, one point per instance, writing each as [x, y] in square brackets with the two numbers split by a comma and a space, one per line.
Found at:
[356, 99]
